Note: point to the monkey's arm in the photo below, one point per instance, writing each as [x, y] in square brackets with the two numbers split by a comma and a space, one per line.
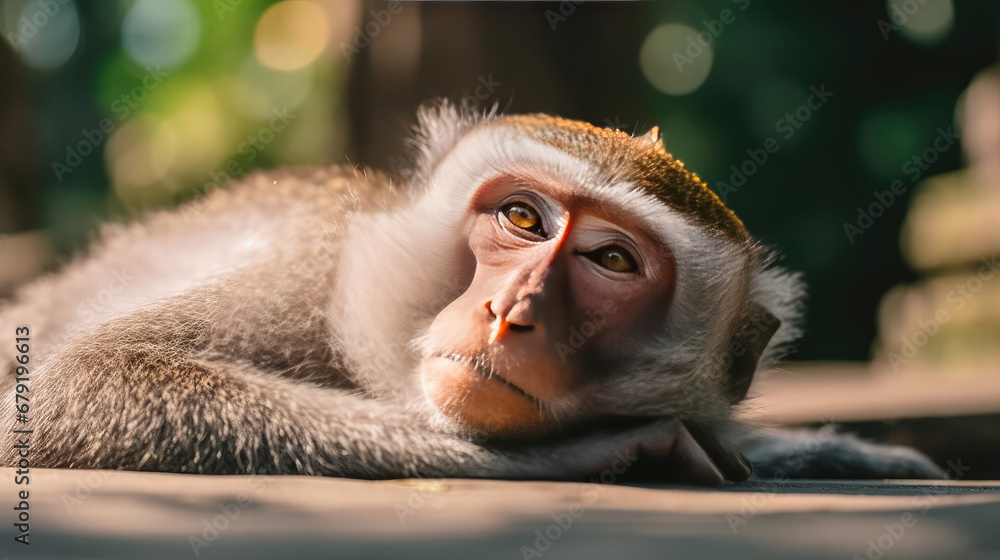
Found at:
[136, 408]
[782, 454]
[204, 382]
[123, 404]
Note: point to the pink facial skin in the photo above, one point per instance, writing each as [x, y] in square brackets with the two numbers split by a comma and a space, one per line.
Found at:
[544, 284]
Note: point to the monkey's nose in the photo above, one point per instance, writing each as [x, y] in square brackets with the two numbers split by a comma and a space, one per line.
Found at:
[501, 324]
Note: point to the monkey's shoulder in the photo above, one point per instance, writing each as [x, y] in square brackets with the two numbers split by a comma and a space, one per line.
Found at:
[277, 220]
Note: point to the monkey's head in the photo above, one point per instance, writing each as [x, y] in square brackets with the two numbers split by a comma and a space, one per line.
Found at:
[554, 272]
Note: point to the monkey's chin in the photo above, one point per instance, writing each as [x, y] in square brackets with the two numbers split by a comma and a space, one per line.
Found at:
[488, 406]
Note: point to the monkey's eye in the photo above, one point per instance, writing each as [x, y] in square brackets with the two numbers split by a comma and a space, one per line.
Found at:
[614, 258]
[524, 217]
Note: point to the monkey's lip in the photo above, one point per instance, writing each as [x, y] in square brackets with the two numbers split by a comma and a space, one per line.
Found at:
[485, 371]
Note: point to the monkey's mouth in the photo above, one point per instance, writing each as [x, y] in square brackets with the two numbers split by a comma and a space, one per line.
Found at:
[471, 391]
[484, 367]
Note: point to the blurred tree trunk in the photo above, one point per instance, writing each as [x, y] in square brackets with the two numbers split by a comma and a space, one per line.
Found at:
[20, 196]
[565, 58]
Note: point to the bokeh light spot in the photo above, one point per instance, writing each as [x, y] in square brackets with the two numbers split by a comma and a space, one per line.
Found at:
[44, 35]
[291, 35]
[206, 135]
[138, 157]
[676, 59]
[257, 90]
[924, 22]
[161, 32]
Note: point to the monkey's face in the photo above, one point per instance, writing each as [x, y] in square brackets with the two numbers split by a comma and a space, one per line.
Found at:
[562, 284]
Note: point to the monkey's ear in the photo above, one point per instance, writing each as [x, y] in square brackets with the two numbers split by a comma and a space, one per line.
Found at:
[747, 348]
[652, 137]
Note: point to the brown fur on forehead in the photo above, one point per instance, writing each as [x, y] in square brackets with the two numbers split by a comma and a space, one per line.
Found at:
[637, 161]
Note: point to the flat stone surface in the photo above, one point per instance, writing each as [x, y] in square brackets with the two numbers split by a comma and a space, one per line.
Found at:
[116, 514]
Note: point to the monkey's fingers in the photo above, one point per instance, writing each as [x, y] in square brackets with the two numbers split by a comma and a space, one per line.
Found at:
[675, 453]
[665, 451]
[662, 451]
[734, 466]
[689, 463]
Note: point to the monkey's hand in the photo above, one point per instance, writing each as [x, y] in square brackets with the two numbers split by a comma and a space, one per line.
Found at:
[663, 450]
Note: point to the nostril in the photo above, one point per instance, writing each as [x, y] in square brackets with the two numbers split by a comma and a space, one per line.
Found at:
[506, 322]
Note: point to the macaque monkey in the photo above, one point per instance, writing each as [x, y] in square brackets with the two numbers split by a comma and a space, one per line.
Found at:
[542, 299]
